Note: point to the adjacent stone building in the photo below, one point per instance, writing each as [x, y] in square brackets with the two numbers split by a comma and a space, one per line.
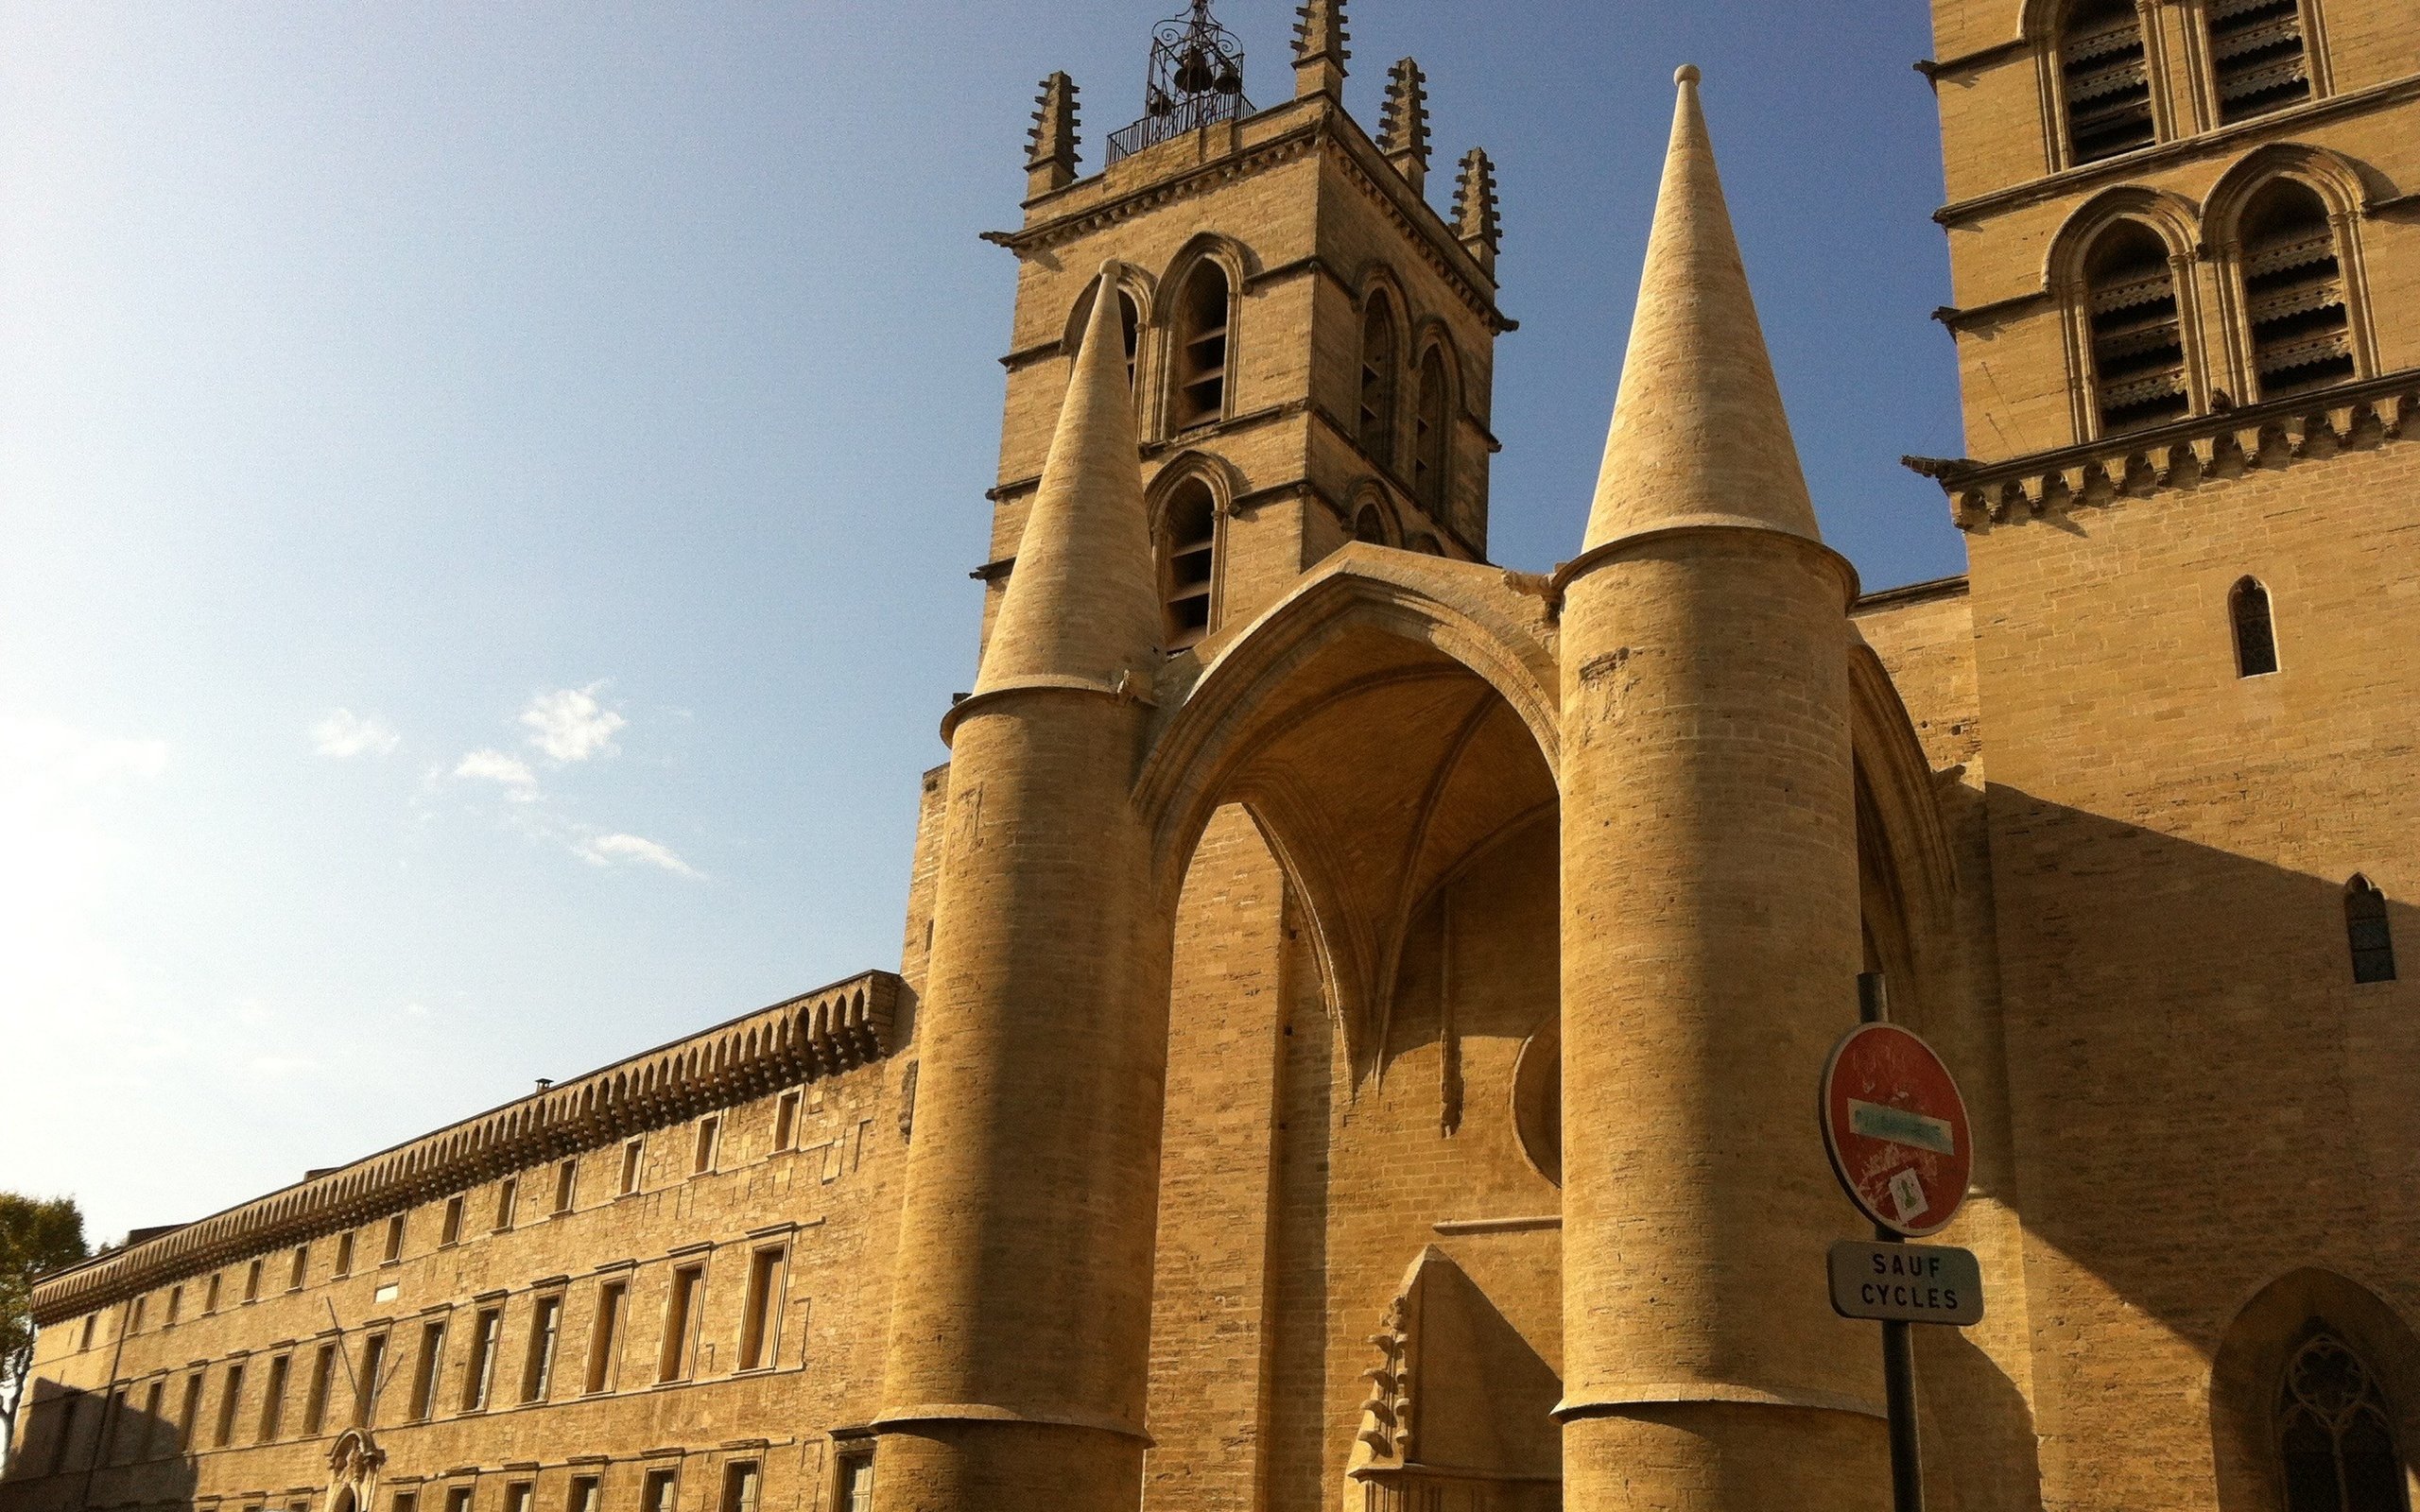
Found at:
[1358, 1027]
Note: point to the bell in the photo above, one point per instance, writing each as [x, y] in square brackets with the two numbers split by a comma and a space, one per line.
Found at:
[1193, 75]
[1230, 82]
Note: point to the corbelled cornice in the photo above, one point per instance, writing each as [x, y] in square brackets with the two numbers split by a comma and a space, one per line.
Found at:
[805, 1039]
[2196, 452]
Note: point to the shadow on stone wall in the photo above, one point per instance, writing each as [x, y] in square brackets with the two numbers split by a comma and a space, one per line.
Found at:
[83, 1449]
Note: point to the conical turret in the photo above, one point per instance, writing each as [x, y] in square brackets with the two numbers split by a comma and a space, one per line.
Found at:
[1081, 602]
[1698, 434]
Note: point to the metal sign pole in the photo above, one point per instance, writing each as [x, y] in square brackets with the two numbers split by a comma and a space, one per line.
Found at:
[1898, 1341]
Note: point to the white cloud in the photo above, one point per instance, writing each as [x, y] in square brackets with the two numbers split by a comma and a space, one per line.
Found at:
[607, 850]
[569, 725]
[345, 735]
[511, 772]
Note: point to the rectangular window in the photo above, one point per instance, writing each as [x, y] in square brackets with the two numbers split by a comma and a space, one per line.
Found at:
[856, 1484]
[662, 1493]
[142, 1305]
[508, 1194]
[208, 1297]
[681, 1310]
[425, 1372]
[65, 1445]
[273, 1398]
[365, 1399]
[587, 1495]
[190, 1417]
[302, 1268]
[344, 1254]
[709, 1129]
[89, 1320]
[740, 1486]
[230, 1394]
[761, 1317]
[566, 1179]
[314, 1404]
[152, 1420]
[451, 1233]
[786, 1122]
[604, 1340]
[516, 1497]
[480, 1377]
[175, 1304]
[405, 1502]
[112, 1430]
[458, 1499]
[630, 1154]
[537, 1371]
[253, 1282]
[394, 1239]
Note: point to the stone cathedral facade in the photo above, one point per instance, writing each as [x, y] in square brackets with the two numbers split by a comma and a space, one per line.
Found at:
[1355, 1039]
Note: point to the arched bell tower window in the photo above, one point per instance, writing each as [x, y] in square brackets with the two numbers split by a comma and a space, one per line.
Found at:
[2260, 58]
[1203, 346]
[2104, 78]
[2335, 1436]
[2256, 629]
[2368, 931]
[1378, 363]
[2295, 293]
[1369, 525]
[2137, 337]
[1188, 558]
[1430, 434]
[1129, 321]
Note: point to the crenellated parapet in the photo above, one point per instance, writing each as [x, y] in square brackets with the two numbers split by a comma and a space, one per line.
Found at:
[809, 1038]
[2187, 453]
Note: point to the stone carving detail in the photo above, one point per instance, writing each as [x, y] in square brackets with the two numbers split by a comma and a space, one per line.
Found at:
[1386, 1416]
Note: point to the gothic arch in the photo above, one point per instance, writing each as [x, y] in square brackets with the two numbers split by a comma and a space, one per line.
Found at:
[1135, 283]
[1370, 506]
[2344, 190]
[1435, 426]
[2066, 275]
[2252, 1355]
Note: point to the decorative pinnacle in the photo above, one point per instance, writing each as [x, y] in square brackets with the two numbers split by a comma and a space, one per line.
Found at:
[1319, 48]
[1053, 139]
[1403, 125]
[1476, 220]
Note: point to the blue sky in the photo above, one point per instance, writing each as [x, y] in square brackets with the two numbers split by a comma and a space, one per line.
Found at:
[487, 490]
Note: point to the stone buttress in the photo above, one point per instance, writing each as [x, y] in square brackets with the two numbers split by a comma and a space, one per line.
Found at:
[1021, 1310]
[1710, 928]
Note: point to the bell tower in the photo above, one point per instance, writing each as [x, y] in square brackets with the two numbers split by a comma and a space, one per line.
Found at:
[1309, 341]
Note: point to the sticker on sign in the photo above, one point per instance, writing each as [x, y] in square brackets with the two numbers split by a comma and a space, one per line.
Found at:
[1896, 1129]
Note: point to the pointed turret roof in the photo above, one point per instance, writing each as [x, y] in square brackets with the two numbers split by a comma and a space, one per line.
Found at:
[1699, 436]
[1082, 602]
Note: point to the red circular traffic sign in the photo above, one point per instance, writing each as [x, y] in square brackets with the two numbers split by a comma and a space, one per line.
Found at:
[1896, 1129]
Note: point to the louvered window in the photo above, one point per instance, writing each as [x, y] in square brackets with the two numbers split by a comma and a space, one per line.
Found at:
[2107, 80]
[2258, 53]
[2137, 341]
[1431, 436]
[1378, 381]
[1202, 348]
[1188, 550]
[2294, 293]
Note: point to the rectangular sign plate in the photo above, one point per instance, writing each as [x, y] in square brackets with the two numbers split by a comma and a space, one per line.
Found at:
[1906, 1284]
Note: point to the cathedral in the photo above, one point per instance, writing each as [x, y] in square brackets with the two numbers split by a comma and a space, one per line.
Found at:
[1356, 1041]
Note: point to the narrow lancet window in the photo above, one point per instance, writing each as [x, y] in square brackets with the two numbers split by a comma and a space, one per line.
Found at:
[2107, 80]
[2294, 292]
[2335, 1436]
[1201, 347]
[1429, 435]
[1188, 557]
[2256, 629]
[1378, 382]
[1129, 322]
[2368, 931]
[2259, 55]
[2138, 339]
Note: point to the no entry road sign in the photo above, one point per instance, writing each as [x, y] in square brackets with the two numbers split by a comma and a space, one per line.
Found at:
[1896, 1129]
[1906, 1284]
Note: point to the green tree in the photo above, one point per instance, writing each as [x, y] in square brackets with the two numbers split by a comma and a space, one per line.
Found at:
[36, 1237]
